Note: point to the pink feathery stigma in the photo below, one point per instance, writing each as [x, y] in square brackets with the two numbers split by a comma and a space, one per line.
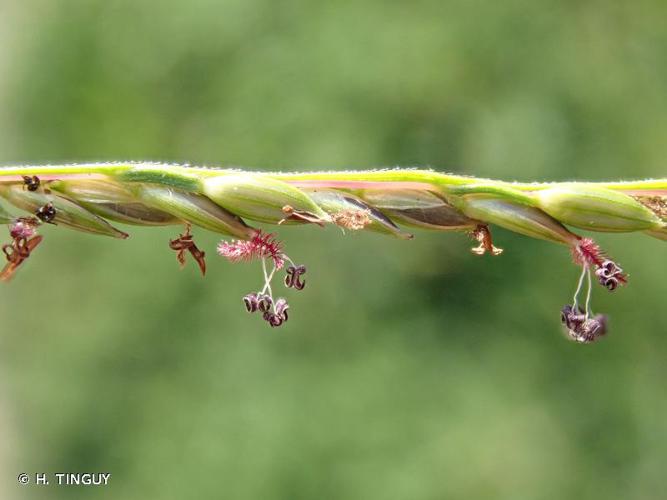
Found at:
[588, 253]
[260, 246]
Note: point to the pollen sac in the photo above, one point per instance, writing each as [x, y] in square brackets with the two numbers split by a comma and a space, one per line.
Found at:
[279, 314]
[273, 319]
[59, 210]
[275, 314]
[261, 198]
[572, 318]
[31, 183]
[293, 277]
[281, 308]
[609, 275]
[608, 268]
[610, 284]
[596, 327]
[264, 302]
[46, 214]
[581, 328]
[590, 331]
[251, 302]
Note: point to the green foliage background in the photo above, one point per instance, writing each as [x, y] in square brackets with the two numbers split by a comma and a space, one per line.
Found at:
[408, 370]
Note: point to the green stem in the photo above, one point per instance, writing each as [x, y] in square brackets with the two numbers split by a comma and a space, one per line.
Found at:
[188, 178]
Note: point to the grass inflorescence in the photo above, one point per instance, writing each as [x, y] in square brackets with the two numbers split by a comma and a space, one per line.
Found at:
[92, 197]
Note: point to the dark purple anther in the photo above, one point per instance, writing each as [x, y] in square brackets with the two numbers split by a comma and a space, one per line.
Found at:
[251, 302]
[293, 278]
[32, 183]
[272, 319]
[582, 329]
[597, 326]
[610, 284]
[264, 302]
[281, 308]
[591, 330]
[572, 319]
[603, 273]
[610, 267]
[565, 314]
[47, 213]
[609, 275]
[275, 321]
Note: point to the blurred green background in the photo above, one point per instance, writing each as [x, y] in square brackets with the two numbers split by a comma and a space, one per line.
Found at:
[408, 370]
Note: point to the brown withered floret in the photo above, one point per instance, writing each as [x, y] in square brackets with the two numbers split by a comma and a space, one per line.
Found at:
[301, 216]
[184, 243]
[24, 241]
[657, 204]
[352, 219]
[482, 234]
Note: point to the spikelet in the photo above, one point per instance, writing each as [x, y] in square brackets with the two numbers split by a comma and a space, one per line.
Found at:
[85, 197]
